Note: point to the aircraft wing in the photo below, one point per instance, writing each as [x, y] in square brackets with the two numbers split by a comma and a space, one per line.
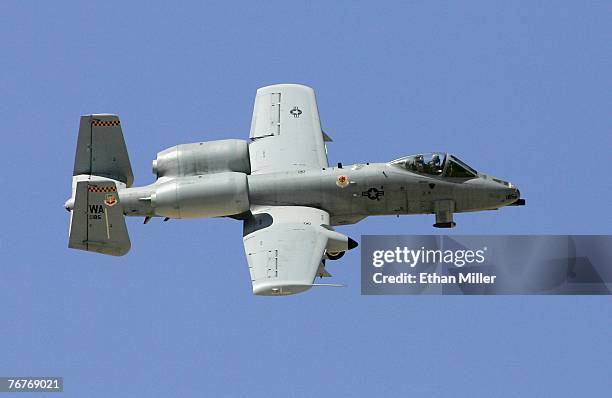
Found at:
[285, 246]
[285, 131]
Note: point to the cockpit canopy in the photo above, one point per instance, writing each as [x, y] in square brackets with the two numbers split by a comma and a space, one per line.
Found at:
[435, 164]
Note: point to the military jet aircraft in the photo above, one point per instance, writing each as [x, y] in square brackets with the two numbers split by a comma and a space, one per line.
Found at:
[279, 184]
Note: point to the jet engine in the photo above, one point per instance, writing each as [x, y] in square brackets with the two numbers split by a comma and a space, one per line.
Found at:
[208, 195]
[203, 158]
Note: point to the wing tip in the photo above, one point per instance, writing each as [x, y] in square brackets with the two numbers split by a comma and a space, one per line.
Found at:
[280, 86]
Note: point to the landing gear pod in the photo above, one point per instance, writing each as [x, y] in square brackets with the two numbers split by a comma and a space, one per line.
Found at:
[338, 244]
[444, 213]
[334, 255]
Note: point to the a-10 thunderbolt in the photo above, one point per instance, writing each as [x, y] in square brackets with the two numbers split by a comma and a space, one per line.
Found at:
[278, 184]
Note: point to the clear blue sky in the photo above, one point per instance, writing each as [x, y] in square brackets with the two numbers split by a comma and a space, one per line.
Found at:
[521, 91]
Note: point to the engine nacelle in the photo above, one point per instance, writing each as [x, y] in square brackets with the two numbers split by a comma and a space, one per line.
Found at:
[208, 195]
[203, 158]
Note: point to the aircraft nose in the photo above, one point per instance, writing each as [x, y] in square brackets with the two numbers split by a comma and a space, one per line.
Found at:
[516, 195]
[513, 192]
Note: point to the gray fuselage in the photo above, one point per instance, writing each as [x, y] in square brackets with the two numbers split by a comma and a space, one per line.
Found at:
[353, 192]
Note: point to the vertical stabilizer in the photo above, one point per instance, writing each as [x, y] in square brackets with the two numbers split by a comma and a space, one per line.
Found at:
[101, 168]
[101, 149]
[97, 222]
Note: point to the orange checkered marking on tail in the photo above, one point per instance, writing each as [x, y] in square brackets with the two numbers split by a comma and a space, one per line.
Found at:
[95, 188]
[103, 123]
